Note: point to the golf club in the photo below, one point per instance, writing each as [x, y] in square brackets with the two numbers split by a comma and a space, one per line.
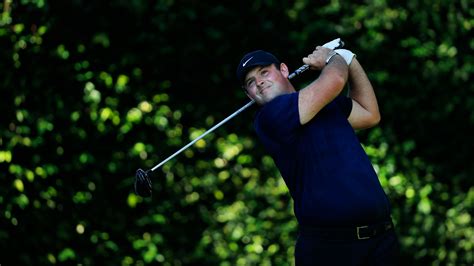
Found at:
[143, 184]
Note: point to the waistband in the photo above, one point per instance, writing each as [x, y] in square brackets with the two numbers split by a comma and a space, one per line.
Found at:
[362, 232]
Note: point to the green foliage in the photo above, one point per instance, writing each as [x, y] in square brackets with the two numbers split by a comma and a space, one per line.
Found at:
[93, 90]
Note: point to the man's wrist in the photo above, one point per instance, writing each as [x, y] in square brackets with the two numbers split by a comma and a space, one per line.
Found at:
[346, 54]
[331, 54]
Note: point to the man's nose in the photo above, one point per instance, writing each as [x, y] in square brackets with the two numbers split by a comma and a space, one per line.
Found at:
[259, 81]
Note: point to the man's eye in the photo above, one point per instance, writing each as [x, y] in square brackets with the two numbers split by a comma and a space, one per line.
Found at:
[249, 83]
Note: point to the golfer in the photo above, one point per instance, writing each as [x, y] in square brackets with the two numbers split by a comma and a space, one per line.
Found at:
[341, 208]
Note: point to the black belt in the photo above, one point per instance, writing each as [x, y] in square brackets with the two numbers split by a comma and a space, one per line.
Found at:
[347, 233]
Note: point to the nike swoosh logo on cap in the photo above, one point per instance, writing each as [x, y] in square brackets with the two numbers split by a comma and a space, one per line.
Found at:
[247, 61]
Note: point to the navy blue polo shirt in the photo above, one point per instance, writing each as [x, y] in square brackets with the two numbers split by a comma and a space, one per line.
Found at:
[329, 175]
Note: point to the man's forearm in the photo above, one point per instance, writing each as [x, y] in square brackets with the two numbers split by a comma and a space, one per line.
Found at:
[323, 90]
[361, 89]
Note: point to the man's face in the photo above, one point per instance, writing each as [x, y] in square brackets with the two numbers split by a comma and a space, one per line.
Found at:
[264, 83]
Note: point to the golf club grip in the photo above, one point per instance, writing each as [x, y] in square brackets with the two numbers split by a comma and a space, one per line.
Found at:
[300, 70]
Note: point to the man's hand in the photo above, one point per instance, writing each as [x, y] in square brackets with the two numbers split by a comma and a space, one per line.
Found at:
[317, 59]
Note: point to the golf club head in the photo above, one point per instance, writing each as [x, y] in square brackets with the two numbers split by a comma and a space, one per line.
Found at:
[143, 186]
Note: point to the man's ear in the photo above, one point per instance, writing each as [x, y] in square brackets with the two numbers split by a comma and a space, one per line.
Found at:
[284, 70]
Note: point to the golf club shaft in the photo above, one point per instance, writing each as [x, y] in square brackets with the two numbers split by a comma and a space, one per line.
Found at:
[337, 43]
[204, 134]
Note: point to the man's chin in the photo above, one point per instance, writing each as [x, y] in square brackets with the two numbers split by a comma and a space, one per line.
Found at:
[263, 99]
[266, 100]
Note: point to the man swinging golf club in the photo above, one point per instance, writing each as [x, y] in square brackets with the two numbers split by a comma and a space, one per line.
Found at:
[342, 210]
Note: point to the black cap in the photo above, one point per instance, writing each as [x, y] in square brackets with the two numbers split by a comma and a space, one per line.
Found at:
[253, 59]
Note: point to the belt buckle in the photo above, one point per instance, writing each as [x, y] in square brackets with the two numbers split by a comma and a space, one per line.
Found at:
[358, 233]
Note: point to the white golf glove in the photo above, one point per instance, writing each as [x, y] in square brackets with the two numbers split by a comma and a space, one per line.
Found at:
[346, 54]
[336, 43]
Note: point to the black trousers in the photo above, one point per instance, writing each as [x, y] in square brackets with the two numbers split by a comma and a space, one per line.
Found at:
[382, 249]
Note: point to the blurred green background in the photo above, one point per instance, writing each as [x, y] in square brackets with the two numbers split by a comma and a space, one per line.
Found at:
[93, 90]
